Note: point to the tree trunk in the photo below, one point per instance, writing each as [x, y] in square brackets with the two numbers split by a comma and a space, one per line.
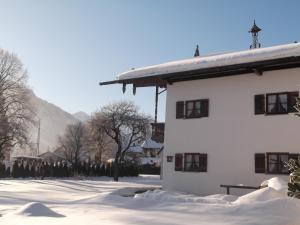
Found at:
[116, 163]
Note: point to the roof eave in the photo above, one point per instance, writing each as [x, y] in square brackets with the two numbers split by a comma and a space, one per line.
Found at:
[205, 73]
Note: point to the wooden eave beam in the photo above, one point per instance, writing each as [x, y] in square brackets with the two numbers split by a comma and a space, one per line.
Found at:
[222, 71]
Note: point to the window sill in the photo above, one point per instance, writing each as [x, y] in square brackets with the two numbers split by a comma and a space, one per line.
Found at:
[273, 114]
[271, 173]
[194, 117]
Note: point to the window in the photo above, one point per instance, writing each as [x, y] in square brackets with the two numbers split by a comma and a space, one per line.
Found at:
[275, 163]
[277, 103]
[294, 156]
[193, 109]
[196, 108]
[195, 162]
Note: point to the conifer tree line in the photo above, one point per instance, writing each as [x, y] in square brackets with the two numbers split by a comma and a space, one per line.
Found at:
[40, 170]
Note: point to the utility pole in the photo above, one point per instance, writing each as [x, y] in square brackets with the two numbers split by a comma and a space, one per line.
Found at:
[38, 139]
[156, 102]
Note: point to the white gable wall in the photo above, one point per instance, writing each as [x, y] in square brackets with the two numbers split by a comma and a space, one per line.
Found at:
[232, 133]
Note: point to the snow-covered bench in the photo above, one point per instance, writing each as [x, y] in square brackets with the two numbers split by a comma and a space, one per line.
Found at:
[237, 186]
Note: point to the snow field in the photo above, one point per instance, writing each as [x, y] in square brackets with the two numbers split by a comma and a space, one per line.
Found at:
[100, 201]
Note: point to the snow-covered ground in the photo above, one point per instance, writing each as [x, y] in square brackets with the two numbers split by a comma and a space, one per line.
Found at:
[101, 201]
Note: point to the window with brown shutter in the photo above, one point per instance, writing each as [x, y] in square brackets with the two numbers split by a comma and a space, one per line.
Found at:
[204, 107]
[180, 110]
[292, 96]
[259, 104]
[195, 162]
[178, 162]
[260, 163]
[196, 108]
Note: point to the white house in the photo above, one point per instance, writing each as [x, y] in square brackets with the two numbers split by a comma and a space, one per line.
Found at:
[229, 117]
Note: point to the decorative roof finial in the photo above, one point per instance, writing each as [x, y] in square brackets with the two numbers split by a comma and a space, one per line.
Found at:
[197, 52]
[254, 31]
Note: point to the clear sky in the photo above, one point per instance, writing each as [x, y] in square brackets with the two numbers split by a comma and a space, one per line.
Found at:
[69, 46]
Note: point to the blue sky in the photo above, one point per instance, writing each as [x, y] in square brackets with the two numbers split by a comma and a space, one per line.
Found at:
[69, 46]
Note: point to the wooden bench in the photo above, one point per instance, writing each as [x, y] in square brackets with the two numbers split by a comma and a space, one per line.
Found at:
[237, 186]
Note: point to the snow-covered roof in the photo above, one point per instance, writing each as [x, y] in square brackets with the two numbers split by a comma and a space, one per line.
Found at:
[218, 60]
[25, 157]
[49, 153]
[149, 143]
[136, 149]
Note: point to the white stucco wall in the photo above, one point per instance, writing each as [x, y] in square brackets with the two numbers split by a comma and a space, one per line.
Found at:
[232, 133]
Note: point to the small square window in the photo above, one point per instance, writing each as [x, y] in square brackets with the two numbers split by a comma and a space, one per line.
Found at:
[195, 162]
[277, 103]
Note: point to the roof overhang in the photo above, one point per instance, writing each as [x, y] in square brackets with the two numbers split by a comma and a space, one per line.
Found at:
[257, 68]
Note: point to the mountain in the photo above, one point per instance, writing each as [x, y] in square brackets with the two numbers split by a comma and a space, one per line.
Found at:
[53, 121]
[82, 116]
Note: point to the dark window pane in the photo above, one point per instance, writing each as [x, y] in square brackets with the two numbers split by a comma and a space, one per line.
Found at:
[276, 162]
[277, 103]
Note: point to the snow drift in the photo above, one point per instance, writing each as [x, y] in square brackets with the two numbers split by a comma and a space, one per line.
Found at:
[36, 209]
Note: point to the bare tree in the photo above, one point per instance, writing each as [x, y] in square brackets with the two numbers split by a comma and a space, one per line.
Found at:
[16, 113]
[100, 142]
[73, 143]
[123, 123]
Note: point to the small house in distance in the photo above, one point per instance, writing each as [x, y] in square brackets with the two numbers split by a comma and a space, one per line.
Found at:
[148, 153]
[50, 157]
[229, 117]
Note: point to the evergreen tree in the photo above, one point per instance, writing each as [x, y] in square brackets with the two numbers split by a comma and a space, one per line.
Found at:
[27, 170]
[294, 181]
[22, 170]
[7, 172]
[2, 170]
[15, 171]
[102, 170]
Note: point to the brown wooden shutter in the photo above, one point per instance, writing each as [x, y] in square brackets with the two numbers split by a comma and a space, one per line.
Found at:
[203, 163]
[260, 166]
[259, 104]
[292, 100]
[178, 162]
[204, 107]
[179, 110]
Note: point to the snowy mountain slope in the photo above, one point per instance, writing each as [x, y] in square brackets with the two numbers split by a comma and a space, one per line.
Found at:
[53, 121]
[82, 116]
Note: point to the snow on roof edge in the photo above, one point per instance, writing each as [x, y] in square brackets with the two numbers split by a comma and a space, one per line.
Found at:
[210, 61]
